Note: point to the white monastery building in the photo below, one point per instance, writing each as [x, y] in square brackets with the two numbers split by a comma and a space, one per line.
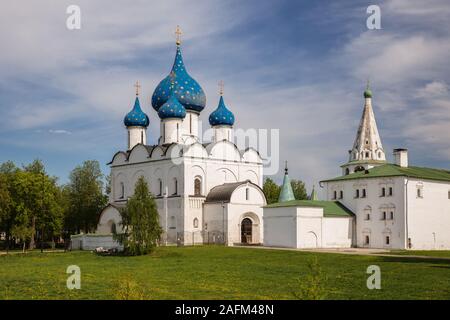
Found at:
[374, 204]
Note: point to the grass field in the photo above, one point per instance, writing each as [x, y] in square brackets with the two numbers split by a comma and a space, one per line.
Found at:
[211, 272]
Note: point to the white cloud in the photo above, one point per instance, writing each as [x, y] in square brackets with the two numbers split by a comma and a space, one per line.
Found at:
[432, 90]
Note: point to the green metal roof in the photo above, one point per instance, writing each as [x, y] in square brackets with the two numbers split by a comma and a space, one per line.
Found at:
[286, 193]
[368, 161]
[330, 208]
[393, 170]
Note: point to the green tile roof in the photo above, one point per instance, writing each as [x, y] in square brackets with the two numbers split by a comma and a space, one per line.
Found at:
[330, 208]
[393, 170]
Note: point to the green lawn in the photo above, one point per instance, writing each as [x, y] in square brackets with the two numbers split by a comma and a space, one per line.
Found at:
[212, 272]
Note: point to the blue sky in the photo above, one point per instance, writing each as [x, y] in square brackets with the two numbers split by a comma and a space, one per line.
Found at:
[299, 66]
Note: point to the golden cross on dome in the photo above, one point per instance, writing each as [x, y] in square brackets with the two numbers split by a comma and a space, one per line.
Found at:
[137, 86]
[368, 84]
[221, 85]
[178, 35]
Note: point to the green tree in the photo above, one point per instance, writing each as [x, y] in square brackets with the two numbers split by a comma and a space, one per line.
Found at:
[84, 197]
[8, 172]
[37, 202]
[22, 232]
[140, 222]
[298, 187]
[5, 204]
[271, 190]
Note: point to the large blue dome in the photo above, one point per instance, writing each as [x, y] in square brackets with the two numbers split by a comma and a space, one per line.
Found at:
[187, 90]
[172, 109]
[136, 117]
[221, 116]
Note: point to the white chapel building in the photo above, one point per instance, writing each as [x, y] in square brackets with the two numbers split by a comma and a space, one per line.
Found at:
[373, 204]
[205, 192]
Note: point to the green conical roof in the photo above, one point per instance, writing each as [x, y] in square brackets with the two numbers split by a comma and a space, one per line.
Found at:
[286, 193]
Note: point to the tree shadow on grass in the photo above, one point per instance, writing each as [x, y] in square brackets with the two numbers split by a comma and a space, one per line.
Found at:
[443, 263]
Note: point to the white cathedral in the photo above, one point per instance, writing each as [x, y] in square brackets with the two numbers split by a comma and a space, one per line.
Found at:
[212, 192]
[205, 192]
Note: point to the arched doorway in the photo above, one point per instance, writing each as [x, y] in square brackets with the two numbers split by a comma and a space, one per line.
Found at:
[311, 240]
[246, 231]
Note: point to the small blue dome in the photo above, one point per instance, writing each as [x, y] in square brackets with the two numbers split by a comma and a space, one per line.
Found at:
[221, 116]
[187, 90]
[136, 117]
[172, 109]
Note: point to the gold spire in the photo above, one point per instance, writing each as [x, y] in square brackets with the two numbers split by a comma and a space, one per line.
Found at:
[221, 86]
[137, 86]
[178, 35]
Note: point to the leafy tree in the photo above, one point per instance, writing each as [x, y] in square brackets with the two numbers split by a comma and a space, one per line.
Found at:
[23, 232]
[34, 203]
[5, 203]
[84, 196]
[140, 222]
[37, 202]
[298, 187]
[271, 190]
[8, 211]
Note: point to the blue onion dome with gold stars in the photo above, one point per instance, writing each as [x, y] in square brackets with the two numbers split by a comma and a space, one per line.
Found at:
[187, 90]
[221, 116]
[136, 117]
[172, 108]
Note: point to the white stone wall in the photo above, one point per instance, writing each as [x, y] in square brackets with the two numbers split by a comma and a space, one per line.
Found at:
[376, 228]
[228, 216]
[136, 135]
[280, 227]
[172, 172]
[428, 216]
[306, 227]
[93, 241]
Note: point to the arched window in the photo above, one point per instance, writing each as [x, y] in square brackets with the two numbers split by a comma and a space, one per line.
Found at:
[122, 190]
[359, 168]
[175, 186]
[197, 187]
[247, 191]
[113, 228]
[367, 212]
[347, 171]
[142, 137]
[159, 187]
[195, 223]
[366, 240]
[334, 195]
